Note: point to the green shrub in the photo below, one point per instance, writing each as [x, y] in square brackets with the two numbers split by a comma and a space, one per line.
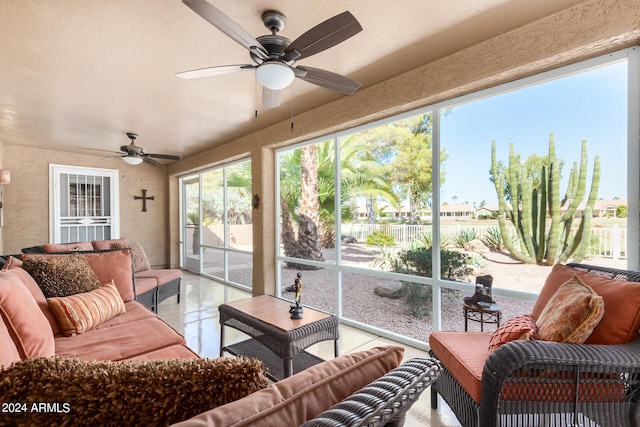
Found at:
[465, 236]
[379, 238]
[493, 239]
[621, 212]
[426, 240]
[417, 262]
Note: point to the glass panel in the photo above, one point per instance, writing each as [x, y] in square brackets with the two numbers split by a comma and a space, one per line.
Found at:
[318, 287]
[192, 225]
[307, 202]
[213, 208]
[239, 206]
[385, 186]
[240, 268]
[213, 262]
[515, 146]
[392, 305]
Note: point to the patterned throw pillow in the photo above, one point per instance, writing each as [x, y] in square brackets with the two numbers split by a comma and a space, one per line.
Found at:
[63, 275]
[571, 314]
[519, 328]
[127, 393]
[78, 313]
[140, 260]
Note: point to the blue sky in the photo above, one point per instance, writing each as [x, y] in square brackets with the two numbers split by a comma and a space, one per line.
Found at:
[590, 105]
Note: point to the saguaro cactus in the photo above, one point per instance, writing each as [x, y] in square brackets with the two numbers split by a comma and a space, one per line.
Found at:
[543, 220]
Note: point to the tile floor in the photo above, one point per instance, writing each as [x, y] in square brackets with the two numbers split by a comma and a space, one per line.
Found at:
[196, 317]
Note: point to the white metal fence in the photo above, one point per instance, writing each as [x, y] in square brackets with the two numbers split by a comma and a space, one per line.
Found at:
[608, 242]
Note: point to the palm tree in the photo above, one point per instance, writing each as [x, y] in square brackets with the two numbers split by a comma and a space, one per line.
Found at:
[361, 176]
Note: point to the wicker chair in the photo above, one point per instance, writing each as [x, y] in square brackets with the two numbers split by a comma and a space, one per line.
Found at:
[385, 401]
[538, 383]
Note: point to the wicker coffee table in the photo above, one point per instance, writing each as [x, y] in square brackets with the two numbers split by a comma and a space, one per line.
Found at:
[276, 339]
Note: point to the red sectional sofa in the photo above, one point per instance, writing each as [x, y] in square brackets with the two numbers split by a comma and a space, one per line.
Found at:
[152, 286]
[99, 357]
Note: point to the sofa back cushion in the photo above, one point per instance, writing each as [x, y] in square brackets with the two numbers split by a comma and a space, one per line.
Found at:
[8, 349]
[301, 397]
[621, 320]
[24, 321]
[108, 265]
[67, 247]
[116, 266]
[15, 265]
[102, 245]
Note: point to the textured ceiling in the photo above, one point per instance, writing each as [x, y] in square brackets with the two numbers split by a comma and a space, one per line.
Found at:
[80, 74]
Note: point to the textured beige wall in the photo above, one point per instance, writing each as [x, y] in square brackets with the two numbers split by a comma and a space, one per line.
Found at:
[590, 29]
[26, 199]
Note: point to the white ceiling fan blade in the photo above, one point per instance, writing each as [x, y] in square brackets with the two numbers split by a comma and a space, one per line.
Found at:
[271, 98]
[214, 71]
[228, 26]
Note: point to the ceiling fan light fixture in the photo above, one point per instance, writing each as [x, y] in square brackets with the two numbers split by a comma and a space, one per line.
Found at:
[274, 75]
[132, 160]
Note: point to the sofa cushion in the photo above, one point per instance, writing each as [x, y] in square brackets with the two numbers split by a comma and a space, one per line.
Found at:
[101, 245]
[140, 393]
[23, 318]
[161, 275]
[120, 341]
[14, 264]
[145, 284]
[8, 350]
[299, 398]
[571, 314]
[62, 275]
[464, 355]
[519, 328]
[175, 351]
[140, 260]
[67, 247]
[78, 313]
[116, 266]
[621, 320]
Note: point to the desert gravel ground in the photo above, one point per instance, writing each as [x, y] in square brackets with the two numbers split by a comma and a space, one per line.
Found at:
[362, 304]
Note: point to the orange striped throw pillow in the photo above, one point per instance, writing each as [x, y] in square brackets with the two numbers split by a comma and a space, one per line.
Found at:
[78, 313]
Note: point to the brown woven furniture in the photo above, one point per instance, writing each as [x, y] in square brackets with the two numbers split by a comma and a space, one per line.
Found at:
[385, 401]
[541, 383]
[276, 339]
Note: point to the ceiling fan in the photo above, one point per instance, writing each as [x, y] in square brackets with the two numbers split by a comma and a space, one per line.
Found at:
[134, 154]
[274, 56]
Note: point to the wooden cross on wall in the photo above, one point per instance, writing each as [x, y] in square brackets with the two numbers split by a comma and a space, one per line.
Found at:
[144, 199]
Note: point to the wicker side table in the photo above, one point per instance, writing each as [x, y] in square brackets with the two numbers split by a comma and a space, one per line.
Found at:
[276, 339]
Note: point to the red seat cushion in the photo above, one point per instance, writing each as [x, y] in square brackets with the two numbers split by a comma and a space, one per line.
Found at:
[464, 355]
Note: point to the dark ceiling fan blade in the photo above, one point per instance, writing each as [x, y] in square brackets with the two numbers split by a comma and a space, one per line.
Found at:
[271, 98]
[228, 26]
[151, 161]
[161, 156]
[329, 80]
[323, 36]
[104, 151]
[114, 157]
[214, 71]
